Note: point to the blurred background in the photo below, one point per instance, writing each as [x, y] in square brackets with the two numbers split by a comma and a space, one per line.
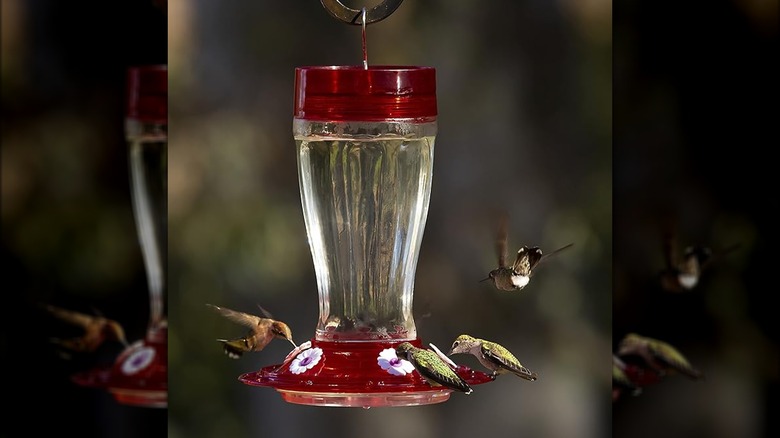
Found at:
[695, 112]
[524, 98]
[69, 237]
[528, 95]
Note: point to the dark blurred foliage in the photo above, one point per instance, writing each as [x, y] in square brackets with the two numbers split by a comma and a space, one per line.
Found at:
[695, 122]
[524, 125]
[69, 235]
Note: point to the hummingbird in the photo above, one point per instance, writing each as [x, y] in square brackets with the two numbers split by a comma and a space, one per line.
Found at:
[492, 356]
[682, 272]
[262, 331]
[97, 330]
[517, 276]
[620, 380]
[657, 355]
[432, 368]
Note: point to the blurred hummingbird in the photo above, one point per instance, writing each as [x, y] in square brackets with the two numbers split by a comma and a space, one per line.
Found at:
[681, 274]
[657, 355]
[262, 331]
[492, 356]
[517, 276]
[97, 330]
[620, 380]
[432, 368]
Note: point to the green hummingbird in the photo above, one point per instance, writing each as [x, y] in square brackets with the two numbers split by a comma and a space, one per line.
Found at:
[657, 355]
[492, 356]
[432, 368]
[262, 331]
[518, 275]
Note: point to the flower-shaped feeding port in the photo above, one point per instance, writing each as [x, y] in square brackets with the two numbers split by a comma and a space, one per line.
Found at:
[390, 362]
[364, 138]
[306, 360]
[138, 360]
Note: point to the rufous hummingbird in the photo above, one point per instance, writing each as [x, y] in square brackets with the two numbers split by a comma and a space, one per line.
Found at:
[262, 331]
[97, 330]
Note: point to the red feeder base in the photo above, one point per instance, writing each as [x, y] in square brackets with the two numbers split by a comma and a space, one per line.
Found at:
[139, 375]
[347, 374]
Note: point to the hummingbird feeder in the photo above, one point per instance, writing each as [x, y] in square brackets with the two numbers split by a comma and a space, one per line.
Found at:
[139, 375]
[365, 139]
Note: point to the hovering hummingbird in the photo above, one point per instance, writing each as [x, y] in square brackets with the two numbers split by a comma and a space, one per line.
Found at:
[492, 356]
[262, 331]
[517, 276]
[682, 272]
[657, 355]
[620, 380]
[97, 330]
[432, 368]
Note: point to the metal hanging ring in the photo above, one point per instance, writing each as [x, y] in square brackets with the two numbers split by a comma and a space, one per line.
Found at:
[354, 16]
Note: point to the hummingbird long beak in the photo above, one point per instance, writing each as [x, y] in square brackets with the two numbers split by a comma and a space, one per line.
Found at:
[484, 279]
[293, 342]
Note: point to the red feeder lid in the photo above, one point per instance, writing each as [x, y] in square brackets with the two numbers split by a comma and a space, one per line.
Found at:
[147, 93]
[343, 93]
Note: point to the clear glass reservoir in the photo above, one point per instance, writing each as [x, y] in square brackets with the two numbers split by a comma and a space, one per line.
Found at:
[365, 178]
[365, 194]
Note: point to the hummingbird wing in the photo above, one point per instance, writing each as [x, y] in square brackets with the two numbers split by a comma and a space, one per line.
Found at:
[71, 317]
[265, 313]
[527, 259]
[73, 344]
[689, 265]
[556, 252]
[242, 318]
[502, 357]
[669, 248]
[717, 255]
[501, 239]
[668, 276]
[535, 258]
[432, 368]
